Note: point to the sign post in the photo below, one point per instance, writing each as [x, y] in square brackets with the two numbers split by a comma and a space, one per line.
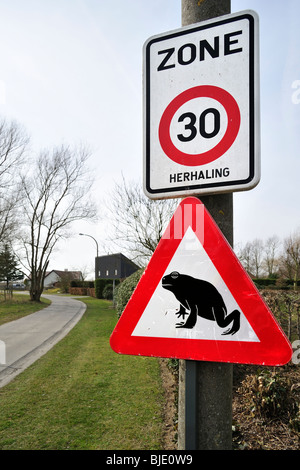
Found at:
[212, 376]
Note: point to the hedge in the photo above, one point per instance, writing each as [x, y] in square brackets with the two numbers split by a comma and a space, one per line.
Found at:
[76, 283]
[125, 290]
[290, 282]
[264, 282]
[100, 285]
[274, 283]
[108, 292]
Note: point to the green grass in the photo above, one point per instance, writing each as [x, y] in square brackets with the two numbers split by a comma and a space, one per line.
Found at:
[19, 306]
[82, 395]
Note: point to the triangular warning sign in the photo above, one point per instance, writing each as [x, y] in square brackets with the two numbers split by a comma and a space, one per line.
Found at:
[195, 301]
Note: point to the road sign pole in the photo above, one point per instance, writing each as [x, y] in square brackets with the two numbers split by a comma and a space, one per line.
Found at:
[205, 388]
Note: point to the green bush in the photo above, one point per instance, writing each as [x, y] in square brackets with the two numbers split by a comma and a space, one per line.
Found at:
[77, 283]
[108, 292]
[101, 284]
[290, 282]
[264, 282]
[125, 291]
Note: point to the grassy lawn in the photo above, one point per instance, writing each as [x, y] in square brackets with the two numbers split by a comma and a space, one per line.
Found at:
[19, 306]
[82, 395]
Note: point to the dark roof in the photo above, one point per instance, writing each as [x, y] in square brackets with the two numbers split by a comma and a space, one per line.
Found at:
[71, 274]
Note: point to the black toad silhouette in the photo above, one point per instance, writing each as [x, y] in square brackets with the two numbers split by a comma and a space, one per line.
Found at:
[198, 297]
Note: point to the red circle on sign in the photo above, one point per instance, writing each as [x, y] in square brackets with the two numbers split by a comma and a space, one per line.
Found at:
[203, 91]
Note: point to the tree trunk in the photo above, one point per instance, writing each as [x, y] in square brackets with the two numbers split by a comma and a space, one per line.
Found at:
[36, 288]
[35, 295]
[295, 279]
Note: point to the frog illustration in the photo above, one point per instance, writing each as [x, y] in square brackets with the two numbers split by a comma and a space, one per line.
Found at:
[200, 298]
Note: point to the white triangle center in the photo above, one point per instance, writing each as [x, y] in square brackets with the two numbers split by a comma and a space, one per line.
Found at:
[159, 317]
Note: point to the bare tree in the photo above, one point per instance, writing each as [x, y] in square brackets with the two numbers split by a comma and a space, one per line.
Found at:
[270, 260]
[245, 256]
[13, 145]
[8, 216]
[257, 254]
[138, 222]
[55, 194]
[251, 257]
[290, 260]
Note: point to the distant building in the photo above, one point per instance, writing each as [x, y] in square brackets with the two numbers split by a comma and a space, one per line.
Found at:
[53, 277]
[115, 266]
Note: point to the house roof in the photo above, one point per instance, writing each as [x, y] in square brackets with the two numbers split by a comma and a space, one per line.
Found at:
[117, 256]
[70, 274]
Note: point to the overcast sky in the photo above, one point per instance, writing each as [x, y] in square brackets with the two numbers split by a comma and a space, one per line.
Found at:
[71, 71]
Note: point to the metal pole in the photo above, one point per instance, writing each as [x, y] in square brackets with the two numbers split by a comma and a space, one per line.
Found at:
[205, 388]
[86, 235]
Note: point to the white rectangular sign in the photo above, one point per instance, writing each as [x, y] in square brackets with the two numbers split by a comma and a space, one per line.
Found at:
[201, 108]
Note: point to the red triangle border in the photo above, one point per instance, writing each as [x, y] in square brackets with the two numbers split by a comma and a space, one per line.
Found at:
[273, 347]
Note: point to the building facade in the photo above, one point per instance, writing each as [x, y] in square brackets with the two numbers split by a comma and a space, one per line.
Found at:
[116, 266]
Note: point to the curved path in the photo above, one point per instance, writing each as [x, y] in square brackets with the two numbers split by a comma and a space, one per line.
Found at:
[23, 341]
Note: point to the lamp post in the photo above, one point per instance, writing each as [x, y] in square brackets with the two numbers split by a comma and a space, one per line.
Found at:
[85, 235]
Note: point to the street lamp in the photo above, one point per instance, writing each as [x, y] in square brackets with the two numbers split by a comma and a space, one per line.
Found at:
[85, 235]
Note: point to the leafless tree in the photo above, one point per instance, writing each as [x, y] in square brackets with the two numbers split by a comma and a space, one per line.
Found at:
[13, 145]
[251, 257]
[8, 217]
[290, 260]
[245, 256]
[270, 260]
[55, 194]
[257, 254]
[138, 222]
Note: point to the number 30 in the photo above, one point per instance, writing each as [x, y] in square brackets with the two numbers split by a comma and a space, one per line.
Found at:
[190, 126]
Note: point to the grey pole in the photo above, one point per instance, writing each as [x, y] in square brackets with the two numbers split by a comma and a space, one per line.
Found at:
[85, 235]
[193, 11]
[205, 388]
[97, 247]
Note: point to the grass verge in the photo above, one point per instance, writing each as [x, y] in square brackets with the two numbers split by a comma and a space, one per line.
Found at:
[82, 395]
[19, 306]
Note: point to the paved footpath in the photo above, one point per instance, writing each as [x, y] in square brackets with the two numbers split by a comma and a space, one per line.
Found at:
[23, 341]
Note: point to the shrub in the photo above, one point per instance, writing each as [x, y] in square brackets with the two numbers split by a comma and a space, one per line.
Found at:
[108, 292]
[77, 283]
[266, 393]
[100, 285]
[264, 282]
[125, 291]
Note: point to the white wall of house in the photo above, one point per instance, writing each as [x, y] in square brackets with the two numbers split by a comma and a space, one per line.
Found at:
[50, 279]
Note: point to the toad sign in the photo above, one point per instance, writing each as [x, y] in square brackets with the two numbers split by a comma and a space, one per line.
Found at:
[201, 108]
[195, 301]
